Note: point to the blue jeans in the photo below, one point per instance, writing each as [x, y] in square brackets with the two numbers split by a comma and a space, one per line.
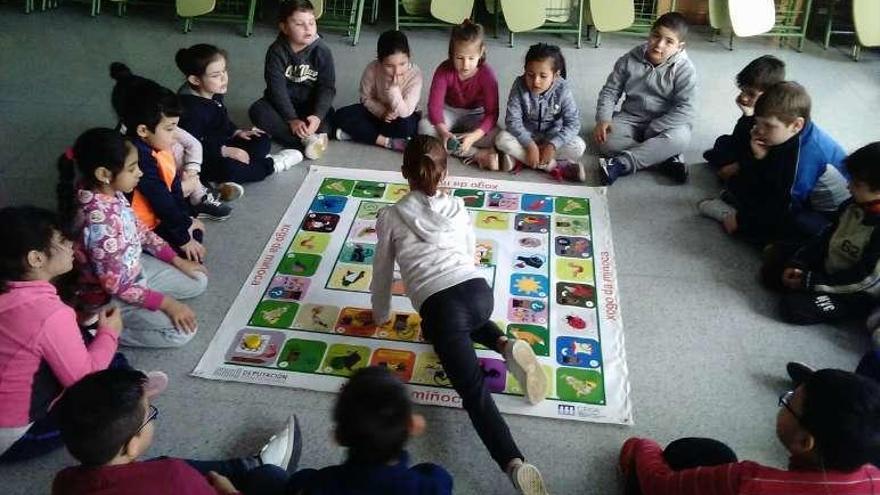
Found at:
[247, 475]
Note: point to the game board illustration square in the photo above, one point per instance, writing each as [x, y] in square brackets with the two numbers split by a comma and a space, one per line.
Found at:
[345, 359]
[532, 223]
[577, 321]
[529, 285]
[521, 310]
[309, 242]
[287, 288]
[302, 355]
[320, 222]
[571, 226]
[316, 317]
[529, 262]
[535, 203]
[356, 321]
[429, 371]
[578, 385]
[572, 206]
[494, 374]
[336, 186]
[579, 352]
[536, 336]
[369, 210]
[401, 363]
[492, 220]
[573, 247]
[402, 327]
[274, 314]
[357, 252]
[364, 231]
[328, 204]
[486, 253]
[571, 294]
[350, 277]
[575, 270]
[253, 347]
[301, 264]
[503, 201]
[532, 242]
[395, 192]
[368, 189]
[473, 198]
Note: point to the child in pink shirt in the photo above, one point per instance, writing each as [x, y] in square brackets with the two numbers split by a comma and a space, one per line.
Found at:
[391, 86]
[36, 327]
[463, 102]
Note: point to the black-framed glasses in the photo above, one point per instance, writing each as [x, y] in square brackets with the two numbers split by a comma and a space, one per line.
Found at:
[153, 414]
[785, 401]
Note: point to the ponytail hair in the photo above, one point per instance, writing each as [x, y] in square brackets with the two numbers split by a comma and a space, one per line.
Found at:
[27, 228]
[194, 61]
[98, 147]
[424, 163]
[468, 32]
[544, 51]
[140, 101]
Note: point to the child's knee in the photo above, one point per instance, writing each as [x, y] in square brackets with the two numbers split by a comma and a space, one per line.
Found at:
[577, 147]
[505, 141]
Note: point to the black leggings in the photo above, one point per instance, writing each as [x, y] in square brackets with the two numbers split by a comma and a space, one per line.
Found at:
[452, 320]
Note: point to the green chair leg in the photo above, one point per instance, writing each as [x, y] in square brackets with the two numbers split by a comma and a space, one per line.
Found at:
[396, 15]
[249, 27]
[357, 22]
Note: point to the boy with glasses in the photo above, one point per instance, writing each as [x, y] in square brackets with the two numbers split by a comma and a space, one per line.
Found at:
[830, 425]
[107, 423]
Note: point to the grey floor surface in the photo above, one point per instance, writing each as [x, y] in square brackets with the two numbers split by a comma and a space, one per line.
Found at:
[704, 346]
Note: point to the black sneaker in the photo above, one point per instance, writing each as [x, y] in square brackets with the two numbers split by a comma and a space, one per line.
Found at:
[212, 209]
[610, 170]
[675, 169]
[798, 372]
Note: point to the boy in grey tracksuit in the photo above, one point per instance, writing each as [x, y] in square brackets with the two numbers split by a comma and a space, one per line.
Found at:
[653, 126]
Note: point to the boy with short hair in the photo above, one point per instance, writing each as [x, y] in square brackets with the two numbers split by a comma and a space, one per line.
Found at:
[830, 426]
[791, 182]
[653, 127]
[107, 423]
[300, 83]
[374, 419]
[752, 81]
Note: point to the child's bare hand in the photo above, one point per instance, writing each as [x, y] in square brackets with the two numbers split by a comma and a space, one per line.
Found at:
[221, 484]
[390, 116]
[600, 132]
[533, 155]
[746, 110]
[313, 122]
[196, 225]
[547, 153]
[110, 318]
[236, 154]
[247, 134]
[190, 268]
[468, 139]
[194, 251]
[181, 315]
[793, 278]
[726, 172]
[759, 147]
[730, 224]
[299, 128]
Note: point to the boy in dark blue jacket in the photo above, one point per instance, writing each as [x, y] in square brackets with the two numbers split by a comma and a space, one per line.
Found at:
[791, 182]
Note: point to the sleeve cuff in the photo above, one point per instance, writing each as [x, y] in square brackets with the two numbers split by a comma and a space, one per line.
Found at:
[153, 299]
[166, 254]
[604, 117]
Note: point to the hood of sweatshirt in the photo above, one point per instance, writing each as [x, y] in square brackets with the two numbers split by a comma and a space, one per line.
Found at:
[21, 292]
[434, 219]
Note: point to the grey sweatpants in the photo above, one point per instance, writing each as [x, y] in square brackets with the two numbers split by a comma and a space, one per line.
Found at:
[146, 328]
[637, 148]
[508, 144]
[459, 121]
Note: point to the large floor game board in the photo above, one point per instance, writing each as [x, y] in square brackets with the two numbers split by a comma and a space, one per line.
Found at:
[302, 318]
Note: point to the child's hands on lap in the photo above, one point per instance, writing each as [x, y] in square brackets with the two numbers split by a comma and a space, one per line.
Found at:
[237, 154]
[468, 139]
[194, 251]
[390, 115]
[221, 484]
[533, 155]
[190, 268]
[600, 132]
[110, 318]
[299, 128]
[181, 315]
[312, 124]
[726, 172]
[248, 134]
[547, 153]
[793, 278]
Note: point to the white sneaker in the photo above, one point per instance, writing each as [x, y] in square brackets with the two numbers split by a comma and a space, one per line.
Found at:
[284, 448]
[527, 479]
[315, 146]
[522, 363]
[506, 162]
[157, 382]
[716, 209]
[286, 159]
[342, 135]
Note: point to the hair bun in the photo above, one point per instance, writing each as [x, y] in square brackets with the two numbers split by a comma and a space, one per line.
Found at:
[119, 71]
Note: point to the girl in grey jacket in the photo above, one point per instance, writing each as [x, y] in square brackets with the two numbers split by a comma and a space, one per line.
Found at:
[542, 119]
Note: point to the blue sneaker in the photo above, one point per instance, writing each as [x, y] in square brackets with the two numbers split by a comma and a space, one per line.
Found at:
[611, 170]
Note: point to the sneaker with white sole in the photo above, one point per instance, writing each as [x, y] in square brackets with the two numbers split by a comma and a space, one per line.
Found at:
[286, 159]
[527, 479]
[211, 208]
[611, 170]
[342, 135]
[506, 162]
[229, 191]
[315, 145]
[525, 368]
[284, 448]
[157, 382]
[716, 209]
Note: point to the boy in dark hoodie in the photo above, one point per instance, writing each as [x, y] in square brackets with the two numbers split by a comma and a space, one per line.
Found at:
[653, 127]
[300, 83]
[791, 181]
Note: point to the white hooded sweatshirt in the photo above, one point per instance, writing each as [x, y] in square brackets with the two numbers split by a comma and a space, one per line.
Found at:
[432, 239]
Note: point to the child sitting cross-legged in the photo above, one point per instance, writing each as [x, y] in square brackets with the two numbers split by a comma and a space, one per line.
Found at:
[374, 420]
[791, 181]
[108, 422]
[830, 425]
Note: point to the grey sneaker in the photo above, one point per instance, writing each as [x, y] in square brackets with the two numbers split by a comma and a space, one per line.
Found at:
[211, 208]
[527, 479]
[716, 209]
[315, 146]
[523, 364]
